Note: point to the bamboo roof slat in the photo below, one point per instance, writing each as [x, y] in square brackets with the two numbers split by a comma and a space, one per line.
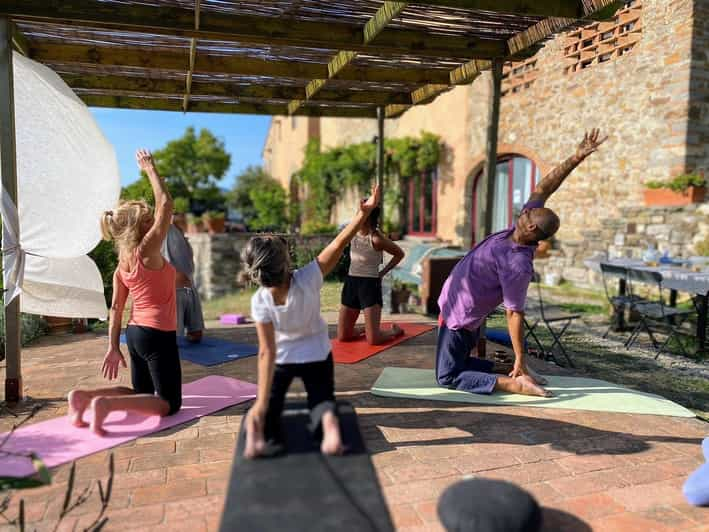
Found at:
[310, 57]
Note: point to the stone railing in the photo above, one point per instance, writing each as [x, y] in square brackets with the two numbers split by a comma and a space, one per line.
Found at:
[218, 259]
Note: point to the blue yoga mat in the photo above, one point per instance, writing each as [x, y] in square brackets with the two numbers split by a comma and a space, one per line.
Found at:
[211, 351]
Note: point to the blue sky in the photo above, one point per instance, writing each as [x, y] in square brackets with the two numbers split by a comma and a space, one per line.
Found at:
[128, 130]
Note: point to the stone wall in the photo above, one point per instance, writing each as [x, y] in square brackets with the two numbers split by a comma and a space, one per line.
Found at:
[676, 230]
[284, 149]
[698, 130]
[218, 259]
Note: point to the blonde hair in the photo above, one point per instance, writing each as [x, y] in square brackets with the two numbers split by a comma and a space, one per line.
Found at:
[124, 225]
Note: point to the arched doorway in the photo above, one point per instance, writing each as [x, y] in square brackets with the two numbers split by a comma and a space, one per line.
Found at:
[515, 178]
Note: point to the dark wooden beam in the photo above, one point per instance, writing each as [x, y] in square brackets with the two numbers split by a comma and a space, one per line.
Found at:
[179, 61]
[8, 171]
[542, 8]
[19, 41]
[156, 87]
[374, 26]
[247, 29]
[163, 104]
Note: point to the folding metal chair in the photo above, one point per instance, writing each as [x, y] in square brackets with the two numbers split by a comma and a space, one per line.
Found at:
[655, 314]
[555, 318]
[617, 301]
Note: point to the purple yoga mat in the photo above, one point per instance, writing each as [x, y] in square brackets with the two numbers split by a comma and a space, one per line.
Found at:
[57, 441]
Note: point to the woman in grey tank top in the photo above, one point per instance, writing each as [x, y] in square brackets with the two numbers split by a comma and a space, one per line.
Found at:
[362, 290]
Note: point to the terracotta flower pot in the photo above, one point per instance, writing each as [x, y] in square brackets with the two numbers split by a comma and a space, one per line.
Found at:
[669, 198]
[215, 225]
[195, 227]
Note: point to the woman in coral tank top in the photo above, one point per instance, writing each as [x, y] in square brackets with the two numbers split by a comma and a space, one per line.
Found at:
[149, 279]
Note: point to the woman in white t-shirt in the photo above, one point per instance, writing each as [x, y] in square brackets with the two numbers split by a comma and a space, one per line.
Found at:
[293, 337]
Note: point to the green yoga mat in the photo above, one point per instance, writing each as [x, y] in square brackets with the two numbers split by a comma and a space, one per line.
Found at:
[569, 392]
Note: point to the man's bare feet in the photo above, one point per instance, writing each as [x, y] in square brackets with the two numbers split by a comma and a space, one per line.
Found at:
[398, 331]
[536, 377]
[331, 440]
[529, 387]
[255, 442]
[99, 405]
[78, 402]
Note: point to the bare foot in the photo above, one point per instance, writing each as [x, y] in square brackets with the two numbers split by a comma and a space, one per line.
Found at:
[99, 405]
[529, 387]
[536, 377]
[255, 442]
[78, 402]
[398, 331]
[331, 440]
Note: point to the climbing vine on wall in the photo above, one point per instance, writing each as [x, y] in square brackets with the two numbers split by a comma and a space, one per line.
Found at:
[326, 174]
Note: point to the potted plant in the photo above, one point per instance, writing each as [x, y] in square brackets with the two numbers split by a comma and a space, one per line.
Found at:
[214, 220]
[682, 190]
[400, 293]
[194, 224]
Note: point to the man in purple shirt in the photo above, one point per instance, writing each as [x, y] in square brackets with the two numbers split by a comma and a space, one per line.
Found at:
[498, 270]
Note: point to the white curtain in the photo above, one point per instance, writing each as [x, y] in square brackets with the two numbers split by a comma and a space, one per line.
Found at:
[67, 175]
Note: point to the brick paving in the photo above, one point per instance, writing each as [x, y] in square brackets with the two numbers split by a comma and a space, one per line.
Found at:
[589, 470]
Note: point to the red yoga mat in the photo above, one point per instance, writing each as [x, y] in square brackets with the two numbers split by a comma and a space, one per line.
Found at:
[353, 352]
[57, 441]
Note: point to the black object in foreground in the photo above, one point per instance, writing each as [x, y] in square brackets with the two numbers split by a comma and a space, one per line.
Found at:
[304, 489]
[485, 505]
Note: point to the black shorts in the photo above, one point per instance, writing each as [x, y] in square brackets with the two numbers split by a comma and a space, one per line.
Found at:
[362, 292]
[155, 364]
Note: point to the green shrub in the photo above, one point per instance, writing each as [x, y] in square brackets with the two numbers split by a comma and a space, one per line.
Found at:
[315, 227]
[106, 258]
[33, 327]
[306, 253]
[702, 248]
[270, 204]
[213, 215]
[679, 184]
[181, 205]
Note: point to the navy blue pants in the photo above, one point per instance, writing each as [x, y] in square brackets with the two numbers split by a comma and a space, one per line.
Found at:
[455, 368]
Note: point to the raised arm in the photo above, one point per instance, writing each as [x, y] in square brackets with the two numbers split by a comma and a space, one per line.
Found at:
[553, 180]
[154, 238]
[329, 257]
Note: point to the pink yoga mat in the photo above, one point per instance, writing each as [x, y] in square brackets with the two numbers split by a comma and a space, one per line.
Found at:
[57, 441]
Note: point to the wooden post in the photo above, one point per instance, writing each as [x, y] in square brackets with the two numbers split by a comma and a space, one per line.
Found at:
[380, 156]
[8, 169]
[487, 196]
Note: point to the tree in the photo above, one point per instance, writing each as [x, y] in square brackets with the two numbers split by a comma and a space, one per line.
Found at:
[246, 181]
[270, 205]
[192, 166]
[260, 199]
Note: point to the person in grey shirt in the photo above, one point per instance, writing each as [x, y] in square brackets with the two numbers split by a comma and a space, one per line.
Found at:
[178, 252]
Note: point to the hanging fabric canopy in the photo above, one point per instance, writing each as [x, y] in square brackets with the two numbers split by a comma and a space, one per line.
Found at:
[67, 175]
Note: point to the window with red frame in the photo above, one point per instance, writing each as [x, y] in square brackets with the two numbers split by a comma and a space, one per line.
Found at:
[515, 178]
[421, 201]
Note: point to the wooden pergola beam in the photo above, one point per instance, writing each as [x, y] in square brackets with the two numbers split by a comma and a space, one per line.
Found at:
[19, 41]
[161, 104]
[517, 44]
[145, 86]
[542, 8]
[178, 61]
[247, 29]
[193, 55]
[374, 26]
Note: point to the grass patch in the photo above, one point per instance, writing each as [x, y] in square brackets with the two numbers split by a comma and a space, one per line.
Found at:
[582, 308]
[240, 302]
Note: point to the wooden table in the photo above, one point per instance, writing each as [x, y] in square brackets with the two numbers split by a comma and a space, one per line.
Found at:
[676, 279]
